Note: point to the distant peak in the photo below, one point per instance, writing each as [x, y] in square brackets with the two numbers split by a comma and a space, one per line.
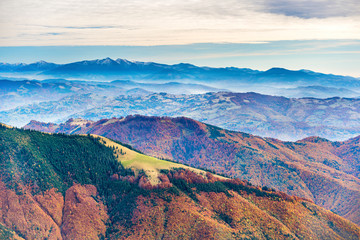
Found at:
[41, 62]
[277, 70]
[106, 60]
[306, 71]
[186, 65]
[120, 60]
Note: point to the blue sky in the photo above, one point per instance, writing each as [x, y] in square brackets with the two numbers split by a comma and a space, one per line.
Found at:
[322, 35]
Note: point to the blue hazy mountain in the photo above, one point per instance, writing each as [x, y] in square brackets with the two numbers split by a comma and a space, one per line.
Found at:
[23, 92]
[32, 67]
[317, 92]
[168, 87]
[121, 69]
[267, 116]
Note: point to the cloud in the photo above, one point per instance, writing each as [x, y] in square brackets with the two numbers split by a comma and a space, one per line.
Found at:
[313, 8]
[84, 27]
[158, 22]
[90, 27]
[53, 33]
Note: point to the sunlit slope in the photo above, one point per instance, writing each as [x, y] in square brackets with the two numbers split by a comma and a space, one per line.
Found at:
[150, 165]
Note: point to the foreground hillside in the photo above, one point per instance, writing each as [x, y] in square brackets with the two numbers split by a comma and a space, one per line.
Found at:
[73, 187]
[317, 169]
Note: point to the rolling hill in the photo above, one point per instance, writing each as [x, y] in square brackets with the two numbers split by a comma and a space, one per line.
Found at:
[315, 168]
[56, 186]
[25, 92]
[263, 115]
[16, 93]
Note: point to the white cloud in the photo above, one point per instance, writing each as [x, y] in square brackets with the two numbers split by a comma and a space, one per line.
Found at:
[156, 22]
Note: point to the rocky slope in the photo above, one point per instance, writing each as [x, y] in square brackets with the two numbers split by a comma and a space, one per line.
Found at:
[315, 168]
[73, 187]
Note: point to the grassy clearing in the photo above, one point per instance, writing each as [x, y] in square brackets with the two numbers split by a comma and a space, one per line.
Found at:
[150, 165]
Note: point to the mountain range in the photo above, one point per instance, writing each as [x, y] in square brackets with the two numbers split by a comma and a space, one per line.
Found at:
[286, 107]
[24, 92]
[57, 186]
[219, 96]
[313, 168]
[119, 149]
[14, 93]
[263, 115]
[236, 78]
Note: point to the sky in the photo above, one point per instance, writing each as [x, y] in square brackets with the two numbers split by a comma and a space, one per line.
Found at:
[321, 35]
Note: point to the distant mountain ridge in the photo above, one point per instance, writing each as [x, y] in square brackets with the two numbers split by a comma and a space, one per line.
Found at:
[317, 92]
[263, 115]
[25, 92]
[23, 67]
[120, 68]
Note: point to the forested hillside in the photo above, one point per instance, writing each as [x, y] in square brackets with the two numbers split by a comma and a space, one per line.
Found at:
[56, 186]
[315, 168]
